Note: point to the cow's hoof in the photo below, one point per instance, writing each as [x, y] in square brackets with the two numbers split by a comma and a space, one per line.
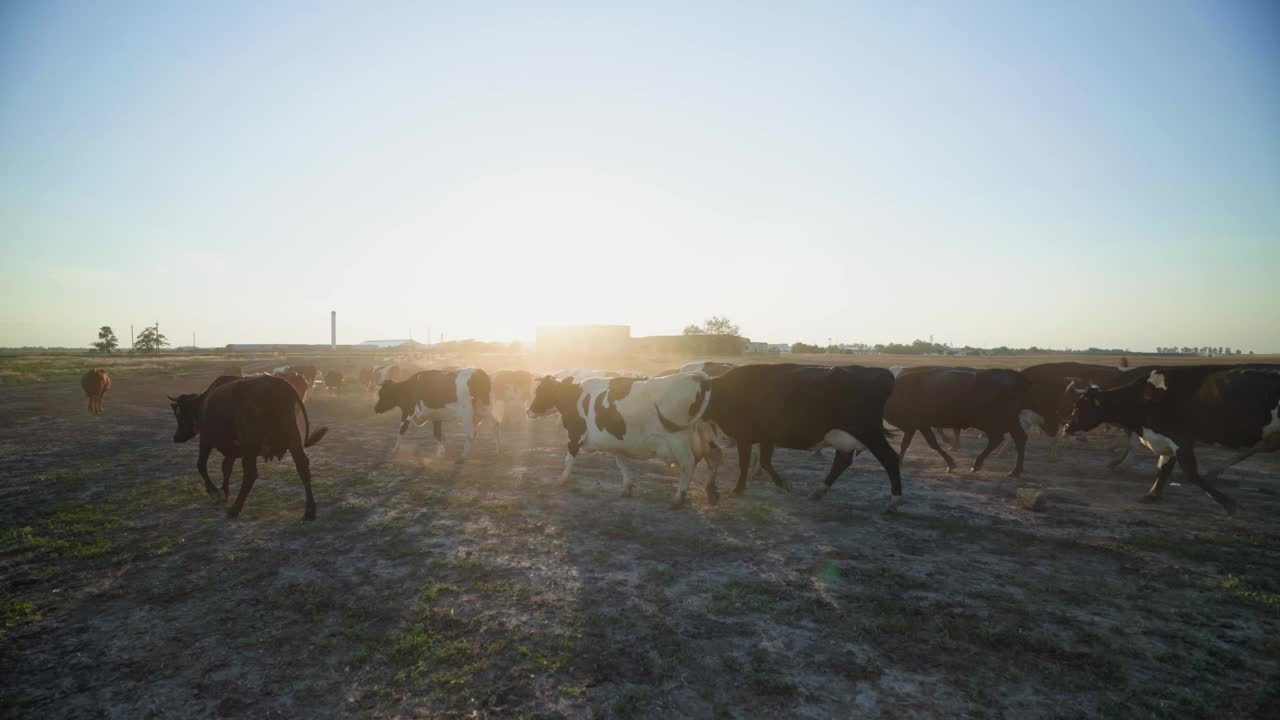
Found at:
[739, 489]
[309, 515]
[818, 494]
[713, 498]
[1014, 474]
[1149, 498]
[975, 468]
[678, 502]
[951, 468]
[232, 513]
[894, 502]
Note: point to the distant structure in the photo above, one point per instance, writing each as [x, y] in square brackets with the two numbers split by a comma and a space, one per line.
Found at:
[783, 348]
[584, 338]
[406, 343]
[755, 347]
[333, 329]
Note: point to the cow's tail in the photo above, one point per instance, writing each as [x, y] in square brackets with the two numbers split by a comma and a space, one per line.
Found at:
[696, 410]
[308, 438]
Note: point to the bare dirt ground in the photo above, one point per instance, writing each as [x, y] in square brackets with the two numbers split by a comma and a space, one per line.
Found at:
[429, 589]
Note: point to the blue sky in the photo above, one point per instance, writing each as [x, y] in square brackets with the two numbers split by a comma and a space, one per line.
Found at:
[1057, 174]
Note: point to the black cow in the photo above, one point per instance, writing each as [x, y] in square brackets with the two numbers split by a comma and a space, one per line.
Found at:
[802, 407]
[988, 400]
[1054, 387]
[1172, 409]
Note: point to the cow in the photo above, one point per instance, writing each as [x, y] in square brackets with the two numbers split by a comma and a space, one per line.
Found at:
[953, 443]
[635, 419]
[247, 418]
[232, 371]
[710, 368]
[1053, 388]
[333, 380]
[381, 374]
[579, 374]
[95, 383]
[438, 395]
[309, 372]
[1172, 409]
[297, 382]
[803, 407]
[989, 400]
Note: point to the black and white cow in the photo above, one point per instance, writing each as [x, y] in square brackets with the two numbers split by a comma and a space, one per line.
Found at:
[632, 418]
[989, 400]
[1172, 409]
[438, 395]
[803, 407]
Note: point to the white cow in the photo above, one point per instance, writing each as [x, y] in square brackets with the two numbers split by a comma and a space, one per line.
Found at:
[435, 396]
[630, 418]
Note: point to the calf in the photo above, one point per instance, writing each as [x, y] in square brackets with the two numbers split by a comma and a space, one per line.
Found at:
[633, 418]
[95, 383]
[247, 418]
[438, 395]
[1171, 409]
[803, 407]
[989, 400]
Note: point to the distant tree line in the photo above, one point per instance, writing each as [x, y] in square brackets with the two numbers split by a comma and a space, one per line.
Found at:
[924, 347]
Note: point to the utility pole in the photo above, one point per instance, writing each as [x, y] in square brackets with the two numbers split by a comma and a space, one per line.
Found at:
[130, 336]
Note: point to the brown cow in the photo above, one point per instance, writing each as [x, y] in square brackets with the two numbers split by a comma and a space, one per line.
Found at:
[247, 418]
[297, 382]
[96, 383]
[307, 371]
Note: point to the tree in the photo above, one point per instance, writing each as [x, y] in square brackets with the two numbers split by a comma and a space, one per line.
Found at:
[106, 340]
[150, 340]
[715, 326]
[802, 348]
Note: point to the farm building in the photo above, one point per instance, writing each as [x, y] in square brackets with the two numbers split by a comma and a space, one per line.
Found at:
[755, 347]
[584, 338]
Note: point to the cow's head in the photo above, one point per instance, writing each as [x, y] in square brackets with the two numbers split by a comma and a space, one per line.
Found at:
[1091, 409]
[186, 412]
[388, 396]
[548, 394]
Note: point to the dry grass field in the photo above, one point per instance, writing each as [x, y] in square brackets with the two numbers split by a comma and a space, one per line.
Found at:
[429, 588]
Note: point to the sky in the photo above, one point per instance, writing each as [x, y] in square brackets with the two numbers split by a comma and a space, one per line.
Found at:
[986, 173]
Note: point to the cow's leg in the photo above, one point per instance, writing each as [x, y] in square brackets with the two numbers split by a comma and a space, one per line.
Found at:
[628, 480]
[993, 440]
[469, 422]
[684, 458]
[202, 465]
[1128, 445]
[744, 464]
[766, 462]
[1187, 456]
[405, 424]
[839, 464]
[1019, 443]
[497, 427]
[883, 451]
[249, 465]
[714, 456]
[1164, 470]
[228, 463]
[569, 457]
[927, 433]
[303, 464]
[907, 434]
[437, 432]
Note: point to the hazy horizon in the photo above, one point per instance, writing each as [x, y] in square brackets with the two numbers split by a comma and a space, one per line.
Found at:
[994, 174]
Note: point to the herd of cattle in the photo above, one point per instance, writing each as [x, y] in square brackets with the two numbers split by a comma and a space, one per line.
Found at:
[685, 414]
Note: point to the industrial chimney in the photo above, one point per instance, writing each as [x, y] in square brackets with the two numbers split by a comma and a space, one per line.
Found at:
[333, 329]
